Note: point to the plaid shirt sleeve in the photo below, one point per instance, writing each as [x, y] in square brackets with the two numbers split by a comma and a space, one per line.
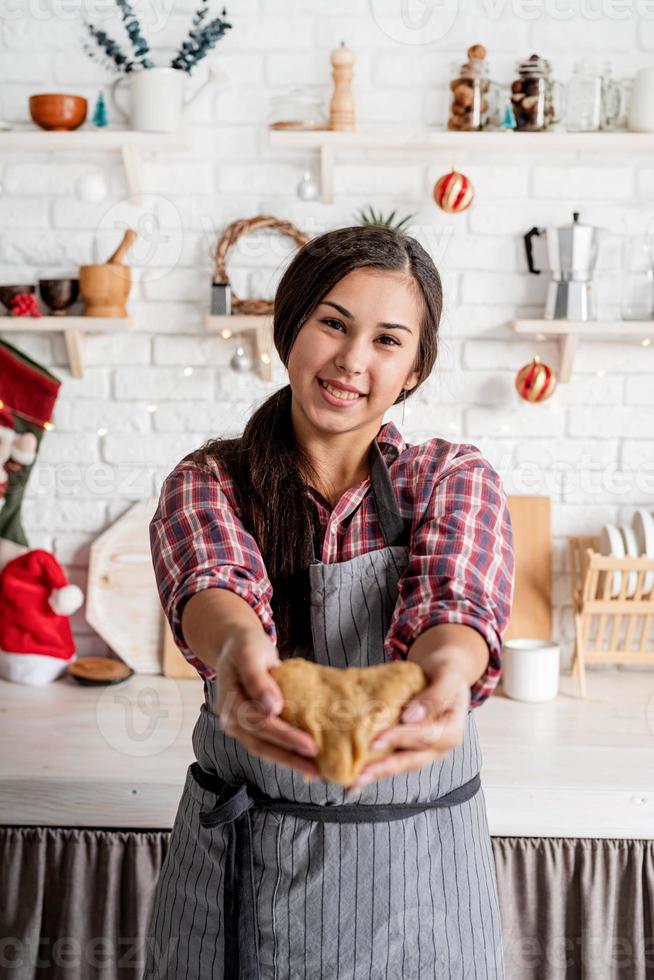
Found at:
[198, 542]
[461, 565]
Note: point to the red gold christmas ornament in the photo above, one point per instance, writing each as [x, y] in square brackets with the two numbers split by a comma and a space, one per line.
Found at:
[453, 192]
[535, 382]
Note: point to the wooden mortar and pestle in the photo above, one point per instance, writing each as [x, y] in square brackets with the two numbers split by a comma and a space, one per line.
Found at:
[104, 287]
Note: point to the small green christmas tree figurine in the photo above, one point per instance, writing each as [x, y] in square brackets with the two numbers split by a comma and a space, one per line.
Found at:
[100, 117]
[508, 118]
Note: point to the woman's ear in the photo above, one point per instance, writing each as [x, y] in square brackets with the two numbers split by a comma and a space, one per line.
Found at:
[411, 381]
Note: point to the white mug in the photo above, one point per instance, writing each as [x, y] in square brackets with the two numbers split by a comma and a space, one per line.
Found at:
[641, 110]
[530, 669]
[157, 98]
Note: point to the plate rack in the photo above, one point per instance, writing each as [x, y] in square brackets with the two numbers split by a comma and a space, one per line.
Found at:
[609, 629]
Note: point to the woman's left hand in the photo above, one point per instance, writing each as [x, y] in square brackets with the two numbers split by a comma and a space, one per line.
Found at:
[422, 737]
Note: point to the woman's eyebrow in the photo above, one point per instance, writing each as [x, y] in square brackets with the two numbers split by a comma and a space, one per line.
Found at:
[346, 313]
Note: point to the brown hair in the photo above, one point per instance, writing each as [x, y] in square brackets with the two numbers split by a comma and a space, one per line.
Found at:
[267, 465]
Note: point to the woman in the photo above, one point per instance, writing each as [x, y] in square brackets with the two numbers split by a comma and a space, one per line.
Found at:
[321, 533]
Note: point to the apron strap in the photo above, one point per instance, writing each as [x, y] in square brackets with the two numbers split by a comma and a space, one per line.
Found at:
[233, 809]
[393, 526]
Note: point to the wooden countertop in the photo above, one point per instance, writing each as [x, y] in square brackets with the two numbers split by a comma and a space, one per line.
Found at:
[117, 756]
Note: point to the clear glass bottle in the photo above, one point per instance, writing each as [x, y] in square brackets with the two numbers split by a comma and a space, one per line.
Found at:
[583, 99]
[536, 98]
[299, 107]
[474, 102]
[637, 300]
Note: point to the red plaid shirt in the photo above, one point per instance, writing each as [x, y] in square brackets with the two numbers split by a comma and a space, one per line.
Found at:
[461, 560]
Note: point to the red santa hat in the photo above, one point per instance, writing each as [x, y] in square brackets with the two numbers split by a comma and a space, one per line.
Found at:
[36, 642]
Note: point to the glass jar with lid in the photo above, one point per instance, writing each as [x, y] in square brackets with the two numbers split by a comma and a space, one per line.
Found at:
[536, 98]
[475, 99]
[299, 107]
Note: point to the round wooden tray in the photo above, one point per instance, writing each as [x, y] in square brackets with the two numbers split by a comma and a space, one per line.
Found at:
[99, 670]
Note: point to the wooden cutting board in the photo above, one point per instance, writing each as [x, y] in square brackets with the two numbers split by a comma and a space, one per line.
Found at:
[122, 602]
[531, 616]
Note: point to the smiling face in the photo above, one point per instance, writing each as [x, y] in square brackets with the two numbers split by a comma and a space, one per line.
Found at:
[363, 335]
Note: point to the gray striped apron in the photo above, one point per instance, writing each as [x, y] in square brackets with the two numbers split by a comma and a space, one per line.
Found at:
[271, 878]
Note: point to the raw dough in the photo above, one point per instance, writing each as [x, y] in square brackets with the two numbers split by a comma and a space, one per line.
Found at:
[344, 708]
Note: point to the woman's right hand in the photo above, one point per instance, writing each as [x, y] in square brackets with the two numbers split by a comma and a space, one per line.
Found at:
[248, 701]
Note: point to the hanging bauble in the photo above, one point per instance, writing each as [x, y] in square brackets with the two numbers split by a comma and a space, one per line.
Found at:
[535, 382]
[453, 192]
[308, 189]
[91, 188]
[241, 360]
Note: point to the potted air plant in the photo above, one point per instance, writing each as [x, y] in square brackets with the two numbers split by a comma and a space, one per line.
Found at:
[157, 96]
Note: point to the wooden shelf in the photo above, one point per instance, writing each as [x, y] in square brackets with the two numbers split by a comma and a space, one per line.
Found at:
[327, 143]
[132, 144]
[259, 326]
[73, 329]
[568, 333]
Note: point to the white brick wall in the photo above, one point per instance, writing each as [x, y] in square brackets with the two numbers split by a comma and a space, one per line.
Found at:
[591, 448]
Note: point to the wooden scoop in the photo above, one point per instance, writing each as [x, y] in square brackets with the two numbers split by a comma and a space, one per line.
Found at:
[119, 255]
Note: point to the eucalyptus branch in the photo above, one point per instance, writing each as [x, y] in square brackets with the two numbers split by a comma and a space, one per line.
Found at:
[200, 39]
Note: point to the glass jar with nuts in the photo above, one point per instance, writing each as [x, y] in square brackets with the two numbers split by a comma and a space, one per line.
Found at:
[475, 99]
[536, 99]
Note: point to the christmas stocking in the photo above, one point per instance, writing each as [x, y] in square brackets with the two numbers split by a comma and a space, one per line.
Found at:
[28, 393]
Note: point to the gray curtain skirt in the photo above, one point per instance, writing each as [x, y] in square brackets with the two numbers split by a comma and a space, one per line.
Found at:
[75, 904]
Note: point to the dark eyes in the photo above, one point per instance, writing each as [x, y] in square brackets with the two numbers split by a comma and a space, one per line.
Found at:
[394, 341]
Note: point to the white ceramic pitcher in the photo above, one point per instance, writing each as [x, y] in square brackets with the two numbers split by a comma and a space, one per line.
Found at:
[157, 98]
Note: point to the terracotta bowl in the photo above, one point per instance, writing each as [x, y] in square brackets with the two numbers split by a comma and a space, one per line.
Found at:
[6, 292]
[58, 111]
[58, 294]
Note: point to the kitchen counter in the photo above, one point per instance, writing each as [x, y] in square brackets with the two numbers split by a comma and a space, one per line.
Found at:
[116, 757]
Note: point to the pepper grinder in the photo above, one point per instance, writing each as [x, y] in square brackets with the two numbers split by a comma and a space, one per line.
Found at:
[341, 107]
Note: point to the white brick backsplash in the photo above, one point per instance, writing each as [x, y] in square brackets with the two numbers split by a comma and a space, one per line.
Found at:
[218, 418]
[169, 384]
[521, 421]
[611, 421]
[606, 183]
[177, 285]
[498, 287]
[87, 415]
[15, 67]
[46, 514]
[39, 248]
[636, 452]
[207, 351]
[626, 357]
[639, 389]
[170, 318]
[31, 33]
[23, 212]
[157, 450]
[583, 33]
[66, 448]
[234, 177]
[483, 253]
[590, 447]
[382, 179]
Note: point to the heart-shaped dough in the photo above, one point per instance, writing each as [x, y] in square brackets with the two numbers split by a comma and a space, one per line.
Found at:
[345, 708]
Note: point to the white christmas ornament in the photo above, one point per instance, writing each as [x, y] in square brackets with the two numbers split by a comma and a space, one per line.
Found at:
[308, 189]
[91, 188]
